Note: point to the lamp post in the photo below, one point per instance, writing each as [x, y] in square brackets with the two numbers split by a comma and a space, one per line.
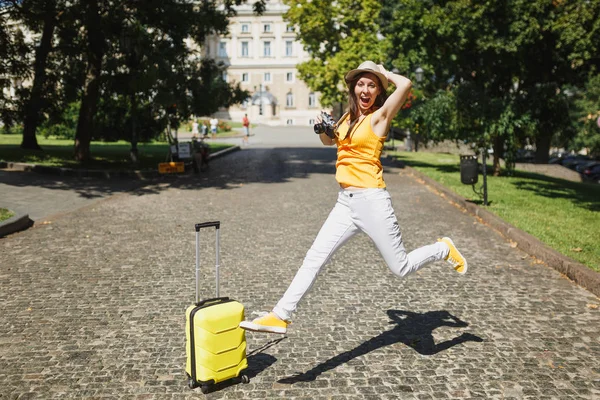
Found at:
[415, 139]
[260, 105]
[394, 71]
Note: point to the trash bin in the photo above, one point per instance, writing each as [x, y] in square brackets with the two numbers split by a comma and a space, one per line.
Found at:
[469, 169]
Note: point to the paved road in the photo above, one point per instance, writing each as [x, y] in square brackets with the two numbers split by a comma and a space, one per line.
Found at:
[92, 304]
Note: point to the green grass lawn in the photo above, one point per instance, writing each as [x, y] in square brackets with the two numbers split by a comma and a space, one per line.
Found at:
[5, 214]
[112, 156]
[564, 215]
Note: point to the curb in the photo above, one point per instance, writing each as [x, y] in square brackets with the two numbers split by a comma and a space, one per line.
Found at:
[224, 152]
[16, 223]
[97, 173]
[80, 173]
[577, 272]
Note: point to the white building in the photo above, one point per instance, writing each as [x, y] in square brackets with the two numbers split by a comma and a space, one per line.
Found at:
[261, 53]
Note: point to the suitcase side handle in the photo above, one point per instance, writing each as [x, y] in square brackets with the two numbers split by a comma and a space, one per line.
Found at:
[217, 225]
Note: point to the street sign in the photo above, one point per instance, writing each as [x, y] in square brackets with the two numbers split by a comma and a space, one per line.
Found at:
[184, 150]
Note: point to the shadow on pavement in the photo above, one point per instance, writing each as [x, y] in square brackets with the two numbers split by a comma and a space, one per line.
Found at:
[251, 165]
[259, 361]
[413, 329]
[263, 165]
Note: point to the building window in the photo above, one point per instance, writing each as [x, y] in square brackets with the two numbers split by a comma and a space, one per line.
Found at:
[267, 49]
[245, 28]
[288, 48]
[267, 77]
[311, 121]
[289, 77]
[245, 52]
[222, 49]
[312, 99]
[289, 28]
[267, 28]
[224, 76]
[289, 100]
[245, 77]
[289, 122]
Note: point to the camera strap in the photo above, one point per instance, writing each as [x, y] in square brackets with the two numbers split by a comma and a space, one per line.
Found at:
[337, 124]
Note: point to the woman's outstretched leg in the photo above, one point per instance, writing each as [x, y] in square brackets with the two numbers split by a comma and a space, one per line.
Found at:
[336, 231]
[377, 219]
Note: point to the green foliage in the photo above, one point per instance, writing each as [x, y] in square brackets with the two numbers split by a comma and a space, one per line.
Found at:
[504, 63]
[585, 116]
[338, 36]
[14, 67]
[64, 126]
[135, 53]
[12, 129]
[5, 214]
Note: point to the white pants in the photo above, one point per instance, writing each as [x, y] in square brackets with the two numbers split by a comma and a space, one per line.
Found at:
[367, 210]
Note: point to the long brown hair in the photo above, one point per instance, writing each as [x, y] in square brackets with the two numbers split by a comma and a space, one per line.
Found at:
[353, 110]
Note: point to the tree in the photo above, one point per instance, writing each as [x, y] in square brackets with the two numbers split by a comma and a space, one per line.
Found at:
[95, 50]
[146, 45]
[586, 117]
[13, 63]
[338, 36]
[104, 52]
[504, 64]
[42, 14]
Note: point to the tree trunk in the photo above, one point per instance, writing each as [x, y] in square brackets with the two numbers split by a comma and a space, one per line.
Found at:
[498, 147]
[91, 88]
[542, 149]
[32, 108]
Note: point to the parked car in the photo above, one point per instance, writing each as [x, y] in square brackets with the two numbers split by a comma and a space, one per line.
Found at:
[592, 173]
[525, 156]
[559, 158]
[582, 166]
[571, 162]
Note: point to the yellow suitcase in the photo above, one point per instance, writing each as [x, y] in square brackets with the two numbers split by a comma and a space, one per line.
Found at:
[215, 344]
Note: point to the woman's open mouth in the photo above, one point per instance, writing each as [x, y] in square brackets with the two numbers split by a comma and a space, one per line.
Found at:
[364, 101]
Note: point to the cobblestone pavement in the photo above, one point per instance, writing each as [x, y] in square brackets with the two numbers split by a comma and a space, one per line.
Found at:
[92, 304]
[45, 196]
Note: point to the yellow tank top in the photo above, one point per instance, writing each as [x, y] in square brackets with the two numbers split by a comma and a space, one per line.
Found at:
[358, 155]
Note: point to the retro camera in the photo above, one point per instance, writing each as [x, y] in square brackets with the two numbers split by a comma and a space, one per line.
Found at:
[326, 126]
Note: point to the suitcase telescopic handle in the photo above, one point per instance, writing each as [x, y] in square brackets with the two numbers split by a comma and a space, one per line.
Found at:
[217, 225]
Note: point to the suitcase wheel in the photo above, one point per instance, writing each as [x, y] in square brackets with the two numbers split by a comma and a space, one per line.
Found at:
[204, 388]
[192, 384]
[244, 379]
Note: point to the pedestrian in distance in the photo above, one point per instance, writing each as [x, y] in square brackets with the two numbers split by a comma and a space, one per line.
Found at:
[213, 127]
[246, 125]
[363, 203]
[195, 131]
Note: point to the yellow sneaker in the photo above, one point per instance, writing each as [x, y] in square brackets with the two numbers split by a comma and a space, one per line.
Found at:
[459, 263]
[267, 323]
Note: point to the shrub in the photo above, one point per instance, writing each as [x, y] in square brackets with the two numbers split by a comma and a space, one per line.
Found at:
[223, 126]
[64, 128]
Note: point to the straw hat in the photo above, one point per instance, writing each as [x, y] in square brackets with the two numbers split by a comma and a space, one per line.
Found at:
[367, 66]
